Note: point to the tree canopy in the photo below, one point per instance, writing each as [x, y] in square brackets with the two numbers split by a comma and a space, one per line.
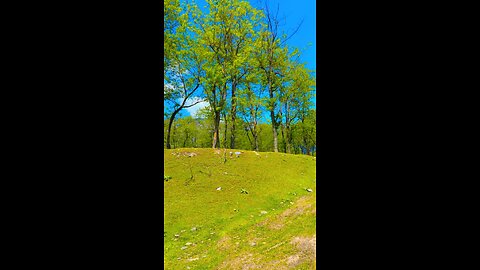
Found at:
[235, 58]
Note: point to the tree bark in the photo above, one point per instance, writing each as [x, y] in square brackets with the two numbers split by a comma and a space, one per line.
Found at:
[234, 115]
[216, 127]
[274, 130]
[272, 117]
[172, 117]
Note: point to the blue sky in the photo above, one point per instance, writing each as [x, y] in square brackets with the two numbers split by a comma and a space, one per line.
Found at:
[294, 12]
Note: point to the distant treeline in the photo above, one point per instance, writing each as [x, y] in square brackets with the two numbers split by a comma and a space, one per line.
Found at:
[197, 133]
[235, 57]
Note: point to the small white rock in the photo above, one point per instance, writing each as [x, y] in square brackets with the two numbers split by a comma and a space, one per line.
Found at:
[309, 190]
[188, 244]
[219, 188]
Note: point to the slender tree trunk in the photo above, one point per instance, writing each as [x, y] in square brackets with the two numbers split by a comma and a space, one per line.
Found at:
[226, 128]
[216, 127]
[274, 130]
[172, 117]
[282, 129]
[234, 115]
[255, 135]
[287, 129]
[289, 138]
[272, 117]
[250, 140]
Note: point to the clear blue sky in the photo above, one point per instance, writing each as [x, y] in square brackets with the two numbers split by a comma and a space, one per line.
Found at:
[293, 13]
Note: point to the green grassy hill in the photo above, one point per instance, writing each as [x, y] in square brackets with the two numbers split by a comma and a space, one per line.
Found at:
[250, 212]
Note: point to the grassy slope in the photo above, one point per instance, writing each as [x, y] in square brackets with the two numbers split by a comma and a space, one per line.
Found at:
[231, 232]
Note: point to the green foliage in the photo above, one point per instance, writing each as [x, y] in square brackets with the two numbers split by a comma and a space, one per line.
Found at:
[234, 46]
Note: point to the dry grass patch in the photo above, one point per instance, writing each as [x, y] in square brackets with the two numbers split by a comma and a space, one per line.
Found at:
[301, 206]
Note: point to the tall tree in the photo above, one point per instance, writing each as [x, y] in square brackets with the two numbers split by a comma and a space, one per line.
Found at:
[227, 32]
[271, 58]
[295, 97]
[250, 103]
[184, 73]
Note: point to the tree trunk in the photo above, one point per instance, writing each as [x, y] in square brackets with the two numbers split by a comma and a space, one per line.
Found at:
[283, 138]
[272, 117]
[170, 127]
[255, 135]
[234, 115]
[226, 128]
[216, 127]
[274, 130]
[289, 139]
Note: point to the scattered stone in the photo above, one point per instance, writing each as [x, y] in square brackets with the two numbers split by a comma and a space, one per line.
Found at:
[237, 154]
[263, 212]
[179, 259]
[192, 259]
[193, 229]
[225, 173]
[253, 244]
[183, 248]
[209, 239]
[309, 190]
[182, 230]
[177, 235]
[188, 244]
[219, 188]
[212, 233]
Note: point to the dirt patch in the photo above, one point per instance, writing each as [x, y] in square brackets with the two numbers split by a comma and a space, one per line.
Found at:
[187, 154]
[243, 262]
[306, 245]
[307, 248]
[293, 261]
[225, 243]
[301, 206]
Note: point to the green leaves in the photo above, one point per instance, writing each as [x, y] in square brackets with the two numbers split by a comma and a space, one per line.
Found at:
[234, 46]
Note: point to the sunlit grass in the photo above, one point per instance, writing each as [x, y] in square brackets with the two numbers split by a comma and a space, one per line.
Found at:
[206, 228]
